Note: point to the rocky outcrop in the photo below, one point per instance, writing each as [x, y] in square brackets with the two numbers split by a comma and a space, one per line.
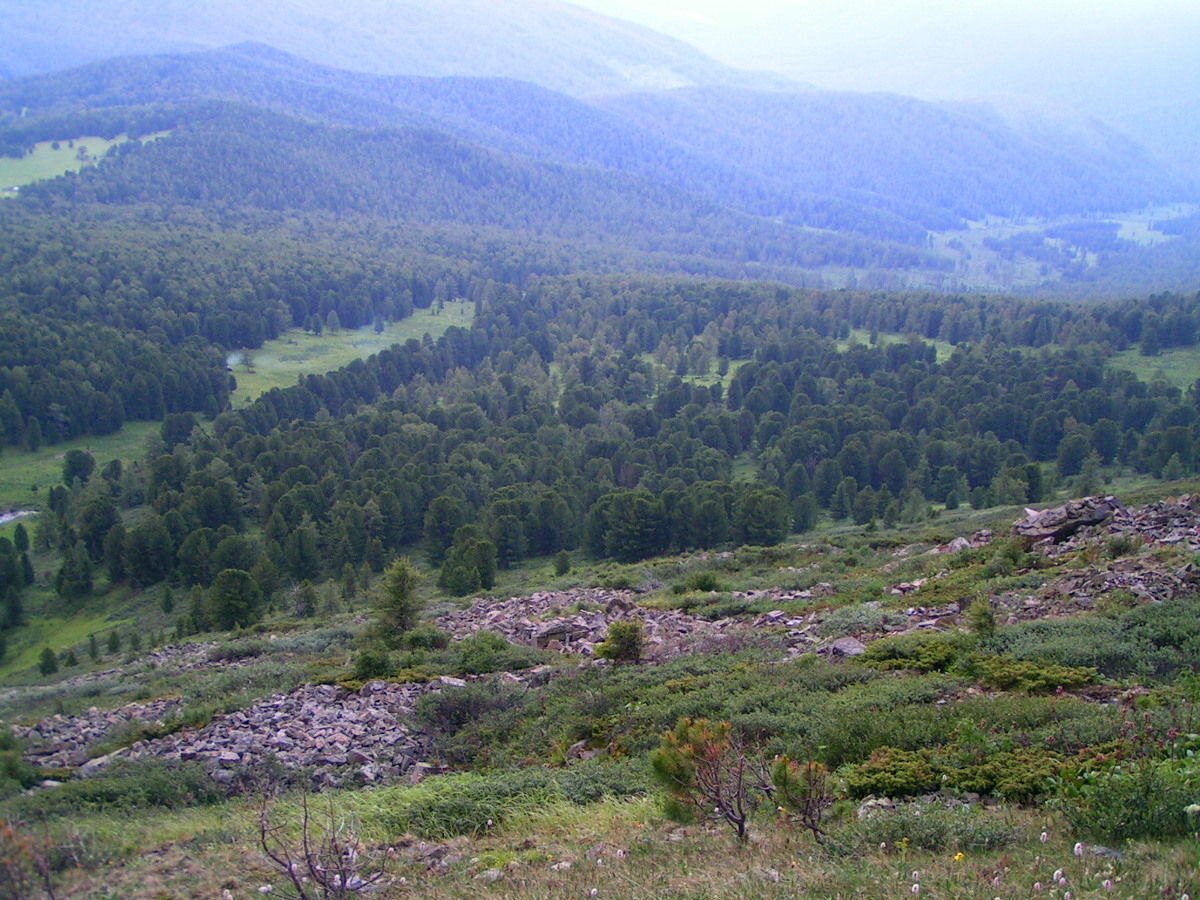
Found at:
[575, 621]
[334, 735]
[1057, 524]
[66, 741]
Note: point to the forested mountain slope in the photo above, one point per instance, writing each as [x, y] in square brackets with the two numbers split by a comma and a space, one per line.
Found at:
[883, 166]
[967, 161]
[542, 41]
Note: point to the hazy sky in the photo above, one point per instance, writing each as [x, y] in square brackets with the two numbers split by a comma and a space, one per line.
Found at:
[938, 47]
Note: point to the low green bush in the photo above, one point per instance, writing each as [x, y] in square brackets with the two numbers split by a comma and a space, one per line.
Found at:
[626, 641]
[891, 772]
[125, 786]
[425, 637]
[1152, 640]
[923, 651]
[858, 619]
[1030, 676]
[1138, 800]
[920, 827]
[236, 650]
[15, 773]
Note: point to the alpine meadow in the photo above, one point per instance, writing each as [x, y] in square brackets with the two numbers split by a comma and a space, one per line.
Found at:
[488, 448]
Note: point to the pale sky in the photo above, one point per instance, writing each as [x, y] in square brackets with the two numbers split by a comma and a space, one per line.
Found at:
[1114, 58]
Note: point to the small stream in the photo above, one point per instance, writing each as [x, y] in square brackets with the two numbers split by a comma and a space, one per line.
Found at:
[13, 514]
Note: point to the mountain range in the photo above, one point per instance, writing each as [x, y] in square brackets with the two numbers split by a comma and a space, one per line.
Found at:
[562, 126]
[546, 42]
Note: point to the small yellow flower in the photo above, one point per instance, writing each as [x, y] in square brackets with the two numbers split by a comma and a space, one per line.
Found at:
[959, 857]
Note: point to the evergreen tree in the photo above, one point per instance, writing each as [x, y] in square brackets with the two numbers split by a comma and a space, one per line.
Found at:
[47, 662]
[33, 435]
[234, 599]
[398, 605]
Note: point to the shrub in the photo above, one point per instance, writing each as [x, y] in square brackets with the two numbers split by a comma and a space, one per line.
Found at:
[703, 581]
[1007, 673]
[920, 827]
[236, 650]
[562, 563]
[1123, 545]
[125, 786]
[15, 773]
[1018, 775]
[858, 619]
[371, 664]
[1143, 799]
[398, 605]
[626, 641]
[923, 651]
[487, 652]
[981, 619]
[891, 772]
[425, 637]
[704, 768]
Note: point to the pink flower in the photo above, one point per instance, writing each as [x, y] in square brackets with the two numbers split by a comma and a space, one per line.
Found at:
[1045, 837]
[1079, 849]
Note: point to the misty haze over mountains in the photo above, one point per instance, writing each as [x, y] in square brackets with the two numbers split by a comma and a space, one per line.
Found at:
[1131, 64]
[877, 181]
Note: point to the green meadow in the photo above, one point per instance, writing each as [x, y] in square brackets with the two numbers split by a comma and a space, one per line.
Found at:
[1179, 366]
[277, 364]
[50, 159]
[25, 477]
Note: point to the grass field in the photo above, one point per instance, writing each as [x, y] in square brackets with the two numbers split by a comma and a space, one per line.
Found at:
[863, 336]
[279, 363]
[1180, 366]
[47, 162]
[26, 477]
[56, 633]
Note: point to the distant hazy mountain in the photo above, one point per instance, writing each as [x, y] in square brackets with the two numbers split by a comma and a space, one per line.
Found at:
[881, 165]
[546, 42]
[1133, 65]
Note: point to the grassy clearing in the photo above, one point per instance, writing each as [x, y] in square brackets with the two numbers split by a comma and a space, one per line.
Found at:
[1178, 366]
[277, 364]
[862, 336]
[26, 477]
[47, 161]
[56, 632]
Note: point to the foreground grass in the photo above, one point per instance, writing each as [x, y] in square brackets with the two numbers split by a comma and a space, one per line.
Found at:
[615, 848]
[277, 364]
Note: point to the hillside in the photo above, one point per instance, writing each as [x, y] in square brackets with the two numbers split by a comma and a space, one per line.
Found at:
[969, 162]
[499, 753]
[545, 42]
[875, 168]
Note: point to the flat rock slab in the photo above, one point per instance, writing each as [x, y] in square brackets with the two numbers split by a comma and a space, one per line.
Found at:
[1062, 522]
